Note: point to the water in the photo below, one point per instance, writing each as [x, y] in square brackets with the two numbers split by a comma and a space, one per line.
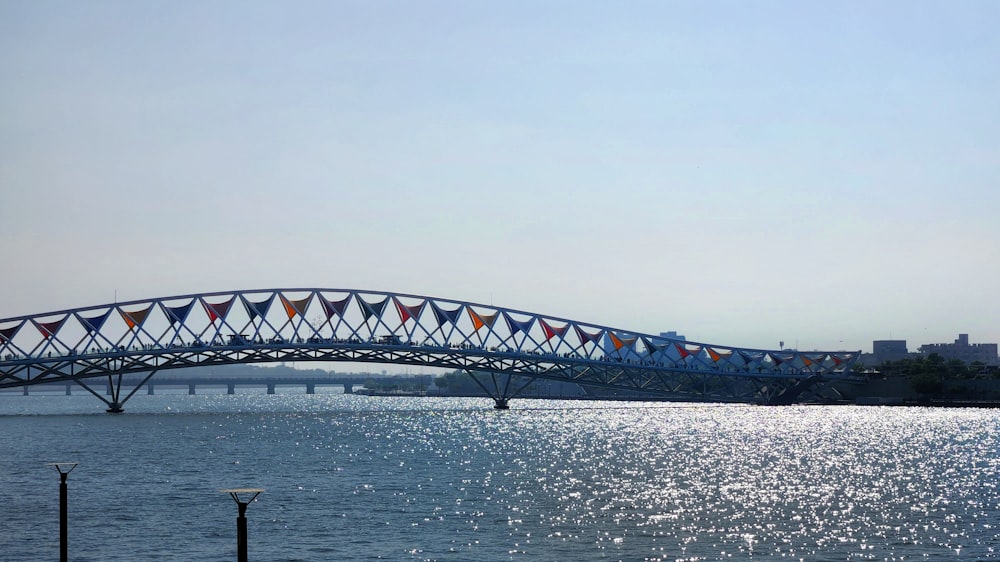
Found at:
[364, 478]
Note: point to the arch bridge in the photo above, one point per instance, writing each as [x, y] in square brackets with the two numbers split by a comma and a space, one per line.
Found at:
[503, 350]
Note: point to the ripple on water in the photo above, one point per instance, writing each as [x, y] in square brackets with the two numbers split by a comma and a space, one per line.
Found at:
[363, 478]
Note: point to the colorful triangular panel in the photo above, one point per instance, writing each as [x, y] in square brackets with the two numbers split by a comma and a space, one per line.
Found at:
[219, 310]
[373, 309]
[7, 334]
[442, 315]
[585, 336]
[618, 343]
[293, 308]
[516, 326]
[408, 312]
[49, 329]
[334, 307]
[178, 313]
[94, 323]
[480, 320]
[551, 331]
[136, 318]
[255, 309]
[650, 346]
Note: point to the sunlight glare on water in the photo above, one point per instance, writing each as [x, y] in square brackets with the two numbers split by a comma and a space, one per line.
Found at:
[350, 477]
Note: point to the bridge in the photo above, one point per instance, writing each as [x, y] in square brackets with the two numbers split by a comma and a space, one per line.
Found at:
[269, 382]
[503, 350]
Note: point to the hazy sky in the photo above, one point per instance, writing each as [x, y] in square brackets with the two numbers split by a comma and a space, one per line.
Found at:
[823, 173]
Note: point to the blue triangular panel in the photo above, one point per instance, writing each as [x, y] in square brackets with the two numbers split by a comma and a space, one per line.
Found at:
[375, 309]
[516, 326]
[442, 315]
[255, 309]
[178, 313]
[95, 323]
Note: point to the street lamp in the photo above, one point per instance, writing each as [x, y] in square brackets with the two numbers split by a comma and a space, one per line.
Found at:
[64, 468]
[241, 520]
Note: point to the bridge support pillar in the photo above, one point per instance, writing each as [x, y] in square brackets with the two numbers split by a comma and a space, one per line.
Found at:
[191, 389]
[25, 391]
[149, 389]
[69, 390]
[310, 389]
[115, 408]
[348, 388]
[231, 388]
[501, 404]
[270, 389]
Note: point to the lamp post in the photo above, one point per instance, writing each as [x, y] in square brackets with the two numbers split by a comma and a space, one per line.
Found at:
[241, 519]
[64, 468]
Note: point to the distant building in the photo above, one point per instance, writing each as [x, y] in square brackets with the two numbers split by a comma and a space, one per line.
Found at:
[985, 353]
[672, 335]
[889, 350]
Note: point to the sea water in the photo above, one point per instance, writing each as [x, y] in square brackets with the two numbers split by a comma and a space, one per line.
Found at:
[390, 478]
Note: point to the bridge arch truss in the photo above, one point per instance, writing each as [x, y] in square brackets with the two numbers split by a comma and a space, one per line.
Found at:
[338, 325]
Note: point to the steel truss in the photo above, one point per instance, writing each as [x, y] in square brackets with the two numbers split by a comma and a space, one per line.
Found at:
[273, 325]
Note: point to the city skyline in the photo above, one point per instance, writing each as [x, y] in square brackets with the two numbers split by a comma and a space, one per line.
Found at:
[821, 175]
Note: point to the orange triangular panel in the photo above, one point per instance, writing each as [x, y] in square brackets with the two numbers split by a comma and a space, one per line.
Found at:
[614, 339]
[480, 320]
[477, 322]
[295, 307]
[715, 356]
[136, 318]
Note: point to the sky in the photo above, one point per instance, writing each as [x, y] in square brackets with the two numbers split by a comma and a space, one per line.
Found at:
[819, 173]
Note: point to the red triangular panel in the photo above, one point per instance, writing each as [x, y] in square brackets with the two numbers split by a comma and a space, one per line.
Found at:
[551, 331]
[408, 312]
[49, 329]
[219, 310]
[6, 334]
